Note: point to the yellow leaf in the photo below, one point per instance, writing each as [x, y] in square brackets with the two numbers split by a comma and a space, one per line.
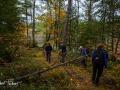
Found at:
[57, 39]
[55, 6]
[52, 31]
[44, 30]
[49, 0]
[52, 42]
[39, 18]
[62, 13]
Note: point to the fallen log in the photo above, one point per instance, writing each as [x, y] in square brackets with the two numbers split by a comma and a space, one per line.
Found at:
[41, 71]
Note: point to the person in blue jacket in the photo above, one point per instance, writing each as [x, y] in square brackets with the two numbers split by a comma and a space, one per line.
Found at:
[83, 55]
[48, 50]
[99, 61]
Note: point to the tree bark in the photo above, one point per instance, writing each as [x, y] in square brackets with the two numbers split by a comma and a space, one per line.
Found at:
[66, 21]
[118, 40]
[104, 22]
[26, 9]
[33, 28]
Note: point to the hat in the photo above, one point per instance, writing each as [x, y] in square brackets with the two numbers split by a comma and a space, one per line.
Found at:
[80, 47]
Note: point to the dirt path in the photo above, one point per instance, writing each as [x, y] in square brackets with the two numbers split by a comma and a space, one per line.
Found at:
[80, 78]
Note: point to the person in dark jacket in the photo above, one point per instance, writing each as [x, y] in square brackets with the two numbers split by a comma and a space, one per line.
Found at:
[62, 51]
[99, 60]
[48, 50]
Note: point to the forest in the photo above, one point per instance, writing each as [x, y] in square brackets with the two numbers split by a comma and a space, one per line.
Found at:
[27, 25]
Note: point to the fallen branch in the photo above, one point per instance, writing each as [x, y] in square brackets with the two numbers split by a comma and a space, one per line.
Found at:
[38, 72]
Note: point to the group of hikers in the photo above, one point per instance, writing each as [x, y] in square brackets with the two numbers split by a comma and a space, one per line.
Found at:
[99, 61]
[99, 58]
[48, 48]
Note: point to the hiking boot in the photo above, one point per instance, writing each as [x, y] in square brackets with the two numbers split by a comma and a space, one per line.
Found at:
[93, 82]
[96, 85]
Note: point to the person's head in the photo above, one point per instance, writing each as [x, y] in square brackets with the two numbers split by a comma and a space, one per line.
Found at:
[61, 42]
[45, 43]
[80, 47]
[48, 43]
[100, 46]
[88, 48]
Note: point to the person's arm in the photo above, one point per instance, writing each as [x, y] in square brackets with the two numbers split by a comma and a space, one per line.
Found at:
[51, 48]
[86, 53]
[92, 56]
[46, 48]
[60, 51]
[105, 59]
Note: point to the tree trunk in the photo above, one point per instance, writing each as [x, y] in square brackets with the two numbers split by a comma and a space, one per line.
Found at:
[66, 21]
[33, 28]
[70, 35]
[58, 32]
[117, 43]
[26, 9]
[103, 22]
[118, 40]
[113, 27]
[89, 22]
[55, 25]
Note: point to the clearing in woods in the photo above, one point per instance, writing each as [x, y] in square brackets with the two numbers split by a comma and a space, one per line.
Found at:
[74, 76]
[80, 77]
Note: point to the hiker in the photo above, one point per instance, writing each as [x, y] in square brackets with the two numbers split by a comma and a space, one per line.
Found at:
[88, 51]
[44, 54]
[62, 51]
[103, 49]
[48, 50]
[99, 61]
[88, 54]
[83, 55]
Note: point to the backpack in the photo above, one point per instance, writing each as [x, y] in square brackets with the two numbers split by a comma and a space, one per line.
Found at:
[98, 56]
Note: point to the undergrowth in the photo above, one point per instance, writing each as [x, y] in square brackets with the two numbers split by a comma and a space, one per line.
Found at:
[32, 59]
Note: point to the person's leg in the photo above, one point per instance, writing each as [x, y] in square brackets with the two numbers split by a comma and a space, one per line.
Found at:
[63, 57]
[100, 70]
[94, 73]
[84, 63]
[47, 56]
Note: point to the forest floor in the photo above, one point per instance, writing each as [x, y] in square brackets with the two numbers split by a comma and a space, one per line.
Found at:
[78, 77]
